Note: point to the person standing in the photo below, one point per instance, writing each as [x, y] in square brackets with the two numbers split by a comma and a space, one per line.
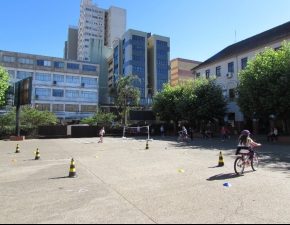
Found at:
[224, 132]
[275, 134]
[138, 131]
[191, 133]
[270, 135]
[101, 133]
[162, 131]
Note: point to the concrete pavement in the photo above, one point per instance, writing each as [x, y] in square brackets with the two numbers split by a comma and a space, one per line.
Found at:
[120, 181]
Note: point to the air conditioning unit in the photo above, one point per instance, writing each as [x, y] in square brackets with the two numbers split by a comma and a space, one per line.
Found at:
[54, 82]
[229, 75]
[36, 97]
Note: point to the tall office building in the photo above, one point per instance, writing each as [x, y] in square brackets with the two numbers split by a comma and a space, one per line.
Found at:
[99, 24]
[146, 56]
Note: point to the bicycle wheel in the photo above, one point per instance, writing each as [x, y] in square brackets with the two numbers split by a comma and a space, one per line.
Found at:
[239, 165]
[187, 139]
[255, 163]
[178, 139]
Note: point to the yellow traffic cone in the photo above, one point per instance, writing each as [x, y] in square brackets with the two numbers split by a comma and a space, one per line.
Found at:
[37, 155]
[17, 149]
[221, 160]
[147, 147]
[72, 170]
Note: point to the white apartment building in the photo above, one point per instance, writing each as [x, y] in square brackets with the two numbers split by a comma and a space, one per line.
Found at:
[99, 24]
[68, 88]
[226, 64]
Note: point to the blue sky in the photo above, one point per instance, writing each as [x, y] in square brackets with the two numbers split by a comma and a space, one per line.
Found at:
[197, 29]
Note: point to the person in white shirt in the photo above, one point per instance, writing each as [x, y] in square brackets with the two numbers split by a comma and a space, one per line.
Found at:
[101, 133]
[162, 131]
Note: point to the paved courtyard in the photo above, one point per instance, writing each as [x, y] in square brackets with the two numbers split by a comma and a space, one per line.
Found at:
[120, 181]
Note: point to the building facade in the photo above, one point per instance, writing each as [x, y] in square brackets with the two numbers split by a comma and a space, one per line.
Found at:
[68, 88]
[226, 65]
[146, 56]
[181, 70]
[99, 24]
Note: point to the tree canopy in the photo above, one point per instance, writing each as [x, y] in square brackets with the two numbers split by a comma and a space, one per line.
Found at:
[194, 100]
[124, 92]
[4, 84]
[263, 88]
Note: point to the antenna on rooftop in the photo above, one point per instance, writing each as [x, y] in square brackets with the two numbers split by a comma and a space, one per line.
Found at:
[235, 37]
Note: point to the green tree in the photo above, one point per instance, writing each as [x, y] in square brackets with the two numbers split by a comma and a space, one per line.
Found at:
[29, 117]
[263, 88]
[124, 91]
[4, 84]
[99, 118]
[203, 101]
[164, 104]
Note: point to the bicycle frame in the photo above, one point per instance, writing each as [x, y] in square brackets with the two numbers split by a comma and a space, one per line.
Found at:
[243, 160]
[180, 137]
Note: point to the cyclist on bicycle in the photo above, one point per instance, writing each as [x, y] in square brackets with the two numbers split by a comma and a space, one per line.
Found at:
[245, 141]
[184, 132]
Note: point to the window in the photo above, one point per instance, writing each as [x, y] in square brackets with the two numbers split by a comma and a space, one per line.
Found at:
[43, 76]
[41, 62]
[231, 67]
[198, 75]
[57, 107]
[231, 95]
[89, 95]
[71, 108]
[207, 74]
[57, 93]
[88, 108]
[43, 92]
[72, 79]
[58, 65]
[58, 77]
[11, 73]
[72, 94]
[8, 58]
[25, 61]
[73, 66]
[138, 38]
[218, 71]
[43, 107]
[23, 74]
[89, 68]
[161, 43]
[89, 81]
[244, 63]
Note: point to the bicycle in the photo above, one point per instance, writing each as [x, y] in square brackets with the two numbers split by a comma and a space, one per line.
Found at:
[182, 137]
[243, 160]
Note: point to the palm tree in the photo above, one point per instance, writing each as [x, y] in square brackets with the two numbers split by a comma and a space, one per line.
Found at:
[123, 91]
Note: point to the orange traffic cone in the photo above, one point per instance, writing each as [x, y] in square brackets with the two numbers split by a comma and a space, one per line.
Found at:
[72, 170]
[147, 147]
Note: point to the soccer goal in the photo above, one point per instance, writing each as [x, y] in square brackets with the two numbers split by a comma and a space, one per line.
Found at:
[134, 130]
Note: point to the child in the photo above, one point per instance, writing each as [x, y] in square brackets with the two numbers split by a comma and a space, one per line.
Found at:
[101, 133]
[245, 141]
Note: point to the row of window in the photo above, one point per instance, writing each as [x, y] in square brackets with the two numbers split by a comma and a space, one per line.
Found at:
[93, 35]
[46, 92]
[138, 48]
[162, 62]
[161, 52]
[138, 38]
[230, 68]
[55, 77]
[139, 58]
[161, 43]
[66, 107]
[94, 10]
[162, 72]
[138, 68]
[48, 63]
